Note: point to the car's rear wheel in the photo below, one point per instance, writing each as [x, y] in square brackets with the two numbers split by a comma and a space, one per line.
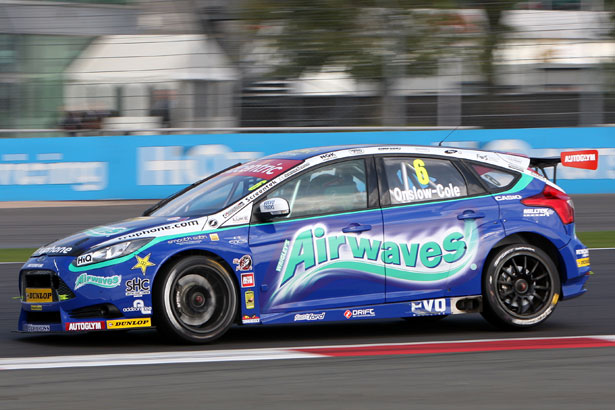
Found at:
[521, 287]
[196, 301]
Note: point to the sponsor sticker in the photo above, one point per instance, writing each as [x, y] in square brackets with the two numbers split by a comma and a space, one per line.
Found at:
[328, 156]
[264, 168]
[359, 313]
[84, 326]
[129, 323]
[283, 254]
[420, 194]
[214, 237]
[537, 212]
[162, 229]
[507, 197]
[36, 307]
[268, 205]
[257, 185]
[583, 253]
[238, 240]
[249, 299]
[138, 306]
[36, 328]
[84, 259]
[250, 319]
[583, 262]
[53, 250]
[188, 240]
[420, 258]
[244, 263]
[105, 230]
[143, 263]
[39, 295]
[301, 317]
[137, 287]
[587, 159]
[233, 209]
[247, 280]
[100, 281]
[240, 219]
[429, 307]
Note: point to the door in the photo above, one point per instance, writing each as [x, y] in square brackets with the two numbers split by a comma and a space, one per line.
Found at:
[325, 253]
[434, 217]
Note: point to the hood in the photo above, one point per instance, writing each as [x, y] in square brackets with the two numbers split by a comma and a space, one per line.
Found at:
[140, 227]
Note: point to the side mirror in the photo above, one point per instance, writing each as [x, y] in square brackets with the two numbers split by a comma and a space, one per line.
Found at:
[274, 207]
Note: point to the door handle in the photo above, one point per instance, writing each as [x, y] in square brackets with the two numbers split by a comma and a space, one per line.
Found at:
[469, 214]
[354, 227]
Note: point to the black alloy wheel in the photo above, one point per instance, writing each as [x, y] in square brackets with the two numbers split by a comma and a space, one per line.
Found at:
[521, 287]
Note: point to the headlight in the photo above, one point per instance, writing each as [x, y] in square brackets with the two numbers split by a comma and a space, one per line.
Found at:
[110, 252]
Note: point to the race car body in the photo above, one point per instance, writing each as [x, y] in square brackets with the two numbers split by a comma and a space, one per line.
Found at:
[321, 234]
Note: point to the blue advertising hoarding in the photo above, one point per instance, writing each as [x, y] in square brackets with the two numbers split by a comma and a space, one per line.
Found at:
[155, 166]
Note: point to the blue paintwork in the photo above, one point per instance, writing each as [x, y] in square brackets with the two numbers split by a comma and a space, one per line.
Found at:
[315, 269]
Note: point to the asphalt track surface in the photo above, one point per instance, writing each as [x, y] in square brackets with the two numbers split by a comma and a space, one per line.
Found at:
[533, 379]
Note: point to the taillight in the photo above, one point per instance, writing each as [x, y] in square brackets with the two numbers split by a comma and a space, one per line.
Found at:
[555, 199]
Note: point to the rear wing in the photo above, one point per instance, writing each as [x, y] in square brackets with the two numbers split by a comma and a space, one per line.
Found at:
[542, 164]
[587, 159]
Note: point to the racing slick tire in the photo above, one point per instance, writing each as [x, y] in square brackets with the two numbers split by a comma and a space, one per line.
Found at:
[196, 300]
[521, 287]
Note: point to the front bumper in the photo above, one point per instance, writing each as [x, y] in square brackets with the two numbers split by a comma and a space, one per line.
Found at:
[56, 299]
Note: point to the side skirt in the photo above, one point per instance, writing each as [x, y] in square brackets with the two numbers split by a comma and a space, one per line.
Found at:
[417, 308]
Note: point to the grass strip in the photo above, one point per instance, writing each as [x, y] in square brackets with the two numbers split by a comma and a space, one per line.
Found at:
[600, 239]
[16, 254]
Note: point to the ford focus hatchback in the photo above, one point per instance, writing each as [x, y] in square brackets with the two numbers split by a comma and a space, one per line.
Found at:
[321, 234]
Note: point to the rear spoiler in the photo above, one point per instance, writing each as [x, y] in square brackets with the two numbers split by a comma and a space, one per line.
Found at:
[586, 159]
[541, 164]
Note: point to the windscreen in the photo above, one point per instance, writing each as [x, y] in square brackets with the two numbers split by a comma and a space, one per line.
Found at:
[219, 192]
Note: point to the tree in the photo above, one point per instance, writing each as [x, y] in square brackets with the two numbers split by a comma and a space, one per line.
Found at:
[381, 41]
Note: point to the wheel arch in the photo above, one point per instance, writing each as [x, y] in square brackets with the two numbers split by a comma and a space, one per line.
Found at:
[170, 261]
[530, 238]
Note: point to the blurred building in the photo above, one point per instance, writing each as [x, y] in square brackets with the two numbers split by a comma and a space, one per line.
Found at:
[38, 40]
[96, 66]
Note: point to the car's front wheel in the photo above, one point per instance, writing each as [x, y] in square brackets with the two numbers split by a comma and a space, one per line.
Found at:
[521, 287]
[196, 300]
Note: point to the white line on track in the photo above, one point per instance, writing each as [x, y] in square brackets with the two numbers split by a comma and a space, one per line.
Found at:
[123, 359]
[128, 359]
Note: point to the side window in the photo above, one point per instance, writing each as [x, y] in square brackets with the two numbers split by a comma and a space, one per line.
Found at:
[412, 180]
[333, 188]
[494, 179]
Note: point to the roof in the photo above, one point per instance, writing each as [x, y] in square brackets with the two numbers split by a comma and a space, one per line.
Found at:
[315, 155]
[151, 58]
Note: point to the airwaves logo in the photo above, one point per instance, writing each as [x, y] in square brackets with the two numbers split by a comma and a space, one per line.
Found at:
[312, 248]
[313, 254]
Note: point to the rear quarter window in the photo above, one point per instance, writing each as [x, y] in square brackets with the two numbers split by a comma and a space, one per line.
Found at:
[494, 179]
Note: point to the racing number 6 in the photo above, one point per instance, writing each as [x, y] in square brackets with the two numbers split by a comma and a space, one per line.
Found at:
[421, 172]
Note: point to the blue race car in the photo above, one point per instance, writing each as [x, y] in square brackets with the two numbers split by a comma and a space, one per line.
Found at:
[321, 234]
